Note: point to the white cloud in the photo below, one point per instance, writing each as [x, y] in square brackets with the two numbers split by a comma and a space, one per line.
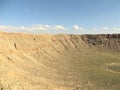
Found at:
[40, 28]
[25, 28]
[59, 27]
[36, 28]
[76, 27]
[81, 28]
[27, 10]
[105, 28]
[116, 28]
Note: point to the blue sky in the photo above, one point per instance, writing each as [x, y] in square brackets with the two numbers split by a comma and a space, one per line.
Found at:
[60, 16]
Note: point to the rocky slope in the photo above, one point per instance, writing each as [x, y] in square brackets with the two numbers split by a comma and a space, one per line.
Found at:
[59, 62]
[108, 41]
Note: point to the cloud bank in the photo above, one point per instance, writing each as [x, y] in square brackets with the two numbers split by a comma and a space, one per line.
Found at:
[40, 28]
[34, 28]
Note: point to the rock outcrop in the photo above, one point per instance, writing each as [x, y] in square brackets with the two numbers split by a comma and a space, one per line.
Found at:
[103, 41]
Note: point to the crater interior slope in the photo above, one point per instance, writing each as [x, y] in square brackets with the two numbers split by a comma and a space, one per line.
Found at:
[59, 62]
